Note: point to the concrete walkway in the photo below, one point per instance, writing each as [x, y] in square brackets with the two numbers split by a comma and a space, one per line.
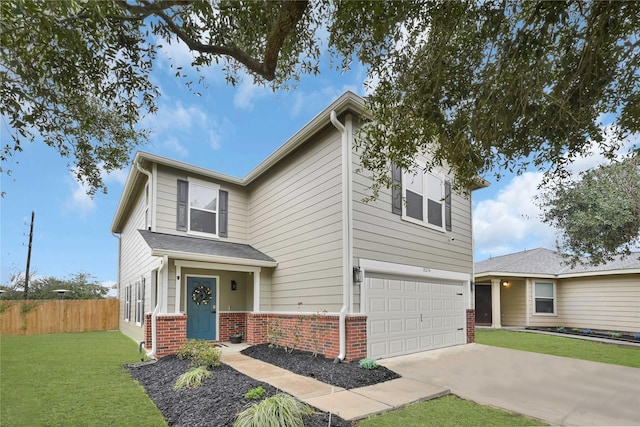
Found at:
[348, 404]
[558, 390]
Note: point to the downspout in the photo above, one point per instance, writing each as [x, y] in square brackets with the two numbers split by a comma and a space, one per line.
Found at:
[154, 315]
[347, 272]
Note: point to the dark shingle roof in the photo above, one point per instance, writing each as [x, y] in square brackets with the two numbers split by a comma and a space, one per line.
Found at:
[198, 246]
[548, 262]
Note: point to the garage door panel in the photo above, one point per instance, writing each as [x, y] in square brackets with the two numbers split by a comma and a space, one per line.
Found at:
[406, 316]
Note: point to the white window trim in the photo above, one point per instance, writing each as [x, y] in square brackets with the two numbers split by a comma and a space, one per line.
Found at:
[555, 299]
[139, 307]
[147, 212]
[211, 186]
[127, 303]
[425, 201]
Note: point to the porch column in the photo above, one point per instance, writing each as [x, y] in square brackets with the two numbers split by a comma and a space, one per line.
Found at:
[256, 290]
[495, 304]
[178, 289]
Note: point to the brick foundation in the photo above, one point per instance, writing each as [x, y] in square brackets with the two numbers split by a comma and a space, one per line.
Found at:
[471, 326]
[147, 331]
[230, 323]
[172, 333]
[314, 333]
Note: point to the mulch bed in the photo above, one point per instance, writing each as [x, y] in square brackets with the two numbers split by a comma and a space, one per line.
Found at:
[221, 397]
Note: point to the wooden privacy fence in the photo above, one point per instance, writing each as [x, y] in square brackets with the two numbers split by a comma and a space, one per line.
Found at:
[57, 316]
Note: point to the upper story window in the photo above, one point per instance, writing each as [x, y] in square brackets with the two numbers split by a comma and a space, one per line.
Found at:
[425, 199]
[202, 208]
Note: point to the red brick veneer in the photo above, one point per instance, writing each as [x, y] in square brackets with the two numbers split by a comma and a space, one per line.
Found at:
[471, 326]
[172, 333]
[227, 325]
[319, 333]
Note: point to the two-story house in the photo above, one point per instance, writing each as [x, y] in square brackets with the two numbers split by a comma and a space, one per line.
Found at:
[291, 252]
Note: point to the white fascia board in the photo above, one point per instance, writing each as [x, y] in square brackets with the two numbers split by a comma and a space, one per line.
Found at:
[520, 275]
[216, 266]
[214, 259]
[411, 270]
[188, 167]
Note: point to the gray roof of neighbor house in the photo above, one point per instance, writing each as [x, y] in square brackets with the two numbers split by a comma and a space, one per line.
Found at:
[546, 262]
[194, 248]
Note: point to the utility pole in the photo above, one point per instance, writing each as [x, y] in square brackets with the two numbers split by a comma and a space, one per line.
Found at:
[26, 275]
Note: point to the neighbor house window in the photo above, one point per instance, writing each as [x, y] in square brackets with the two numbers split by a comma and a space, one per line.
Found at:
[424, 195]
[127, 303]
[203, 208]
[545, 298]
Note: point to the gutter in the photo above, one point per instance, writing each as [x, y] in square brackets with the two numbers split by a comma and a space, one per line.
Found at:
[347, 239]
[154, 315]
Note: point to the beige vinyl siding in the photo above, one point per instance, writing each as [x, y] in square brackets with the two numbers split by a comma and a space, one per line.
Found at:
[135, 262]
[167, 200]
[610, 302]
[378, 234]
[512, 304]
[295, 213]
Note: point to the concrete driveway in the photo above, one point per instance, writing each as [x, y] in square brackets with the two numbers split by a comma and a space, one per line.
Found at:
[558, 390]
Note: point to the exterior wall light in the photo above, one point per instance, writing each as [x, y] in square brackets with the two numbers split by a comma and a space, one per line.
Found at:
[505, 283]
[357, 275]
[234, 285]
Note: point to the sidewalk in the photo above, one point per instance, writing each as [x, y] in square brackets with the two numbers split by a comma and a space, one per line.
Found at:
[348, 404]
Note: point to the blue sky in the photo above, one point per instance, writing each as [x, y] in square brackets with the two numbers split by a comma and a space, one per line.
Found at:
[227, 129]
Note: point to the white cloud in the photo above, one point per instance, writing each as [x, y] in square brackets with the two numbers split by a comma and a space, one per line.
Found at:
[214, 140]
[172, 144]
[248, 92]
[174, 117]
[511, 221]
[317, 100]
[79, 201]
[111, 285]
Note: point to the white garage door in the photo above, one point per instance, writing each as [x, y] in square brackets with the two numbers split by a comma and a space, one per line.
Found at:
[407, 315]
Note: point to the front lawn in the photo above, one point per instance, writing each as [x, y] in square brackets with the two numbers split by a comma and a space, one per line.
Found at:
[561, 346]
[448, 411]
[71, 380]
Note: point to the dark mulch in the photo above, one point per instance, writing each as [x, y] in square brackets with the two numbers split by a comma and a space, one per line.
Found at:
[221, 397]
[346, 375]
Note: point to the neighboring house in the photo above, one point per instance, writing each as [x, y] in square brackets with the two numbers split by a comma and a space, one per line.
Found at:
[538, 288]
[291, 251]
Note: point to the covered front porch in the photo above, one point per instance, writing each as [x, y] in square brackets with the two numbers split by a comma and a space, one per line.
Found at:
[202, 289]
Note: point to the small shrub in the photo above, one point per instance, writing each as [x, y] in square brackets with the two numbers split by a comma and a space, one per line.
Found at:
[587, 332]
[200, 353]
[637, 335]
[615, 334]
[575, 330]
[256, 393]
[369, 364]
[278, 410]
[274, 334]
[192, 378]
[561, 329]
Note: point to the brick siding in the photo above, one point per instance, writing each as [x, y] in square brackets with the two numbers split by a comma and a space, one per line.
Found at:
[317, 333]
[471, 326]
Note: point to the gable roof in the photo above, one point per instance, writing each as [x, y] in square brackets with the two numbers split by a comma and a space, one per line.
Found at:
[194, 248]
[545, 262]
[347, 102]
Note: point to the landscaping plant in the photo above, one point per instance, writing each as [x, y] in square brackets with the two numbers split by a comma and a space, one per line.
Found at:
[192, 378]
[256, 393]
[280, 410]
[369, 364]
[199, 353]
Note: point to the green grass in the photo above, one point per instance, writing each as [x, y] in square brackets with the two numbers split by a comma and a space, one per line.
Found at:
[72, 380]
[448, 411]
[560, 346]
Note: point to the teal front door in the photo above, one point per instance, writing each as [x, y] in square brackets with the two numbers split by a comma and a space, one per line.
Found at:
[201, 308]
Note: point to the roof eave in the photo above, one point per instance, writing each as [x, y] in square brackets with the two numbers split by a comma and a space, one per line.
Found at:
[213, 258]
